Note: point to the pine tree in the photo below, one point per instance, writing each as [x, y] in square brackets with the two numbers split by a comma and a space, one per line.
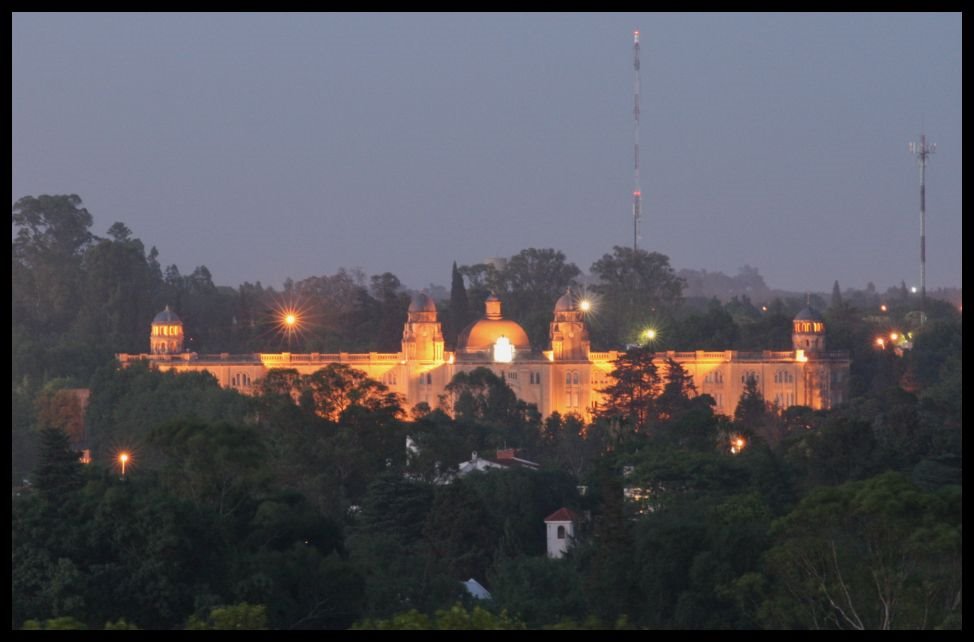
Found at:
[836, 295]
[751, 409]
[459, 305]
[59, 468]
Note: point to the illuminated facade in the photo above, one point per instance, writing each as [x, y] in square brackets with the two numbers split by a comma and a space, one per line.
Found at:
[566, 378]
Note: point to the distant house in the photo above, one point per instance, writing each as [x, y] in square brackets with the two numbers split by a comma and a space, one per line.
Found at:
[506, 459]
[561, 526]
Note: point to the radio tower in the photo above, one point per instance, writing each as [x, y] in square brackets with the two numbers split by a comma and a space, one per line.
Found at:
[921, 150]
[636, 194]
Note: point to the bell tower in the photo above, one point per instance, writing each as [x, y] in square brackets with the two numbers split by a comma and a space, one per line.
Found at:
[422, 336]
[568, 333]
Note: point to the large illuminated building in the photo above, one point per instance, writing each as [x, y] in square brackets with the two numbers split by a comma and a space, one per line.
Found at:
[565, 378]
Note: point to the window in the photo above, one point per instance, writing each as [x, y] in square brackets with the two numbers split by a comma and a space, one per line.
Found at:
[561, 532]
[535, 377]
[573, 393]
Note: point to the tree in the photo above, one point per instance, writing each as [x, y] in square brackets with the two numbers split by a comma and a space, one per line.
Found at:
[51, 236]
[459, 316]
[459, 531]
[216, 466]
[874, 554]
[636, 384]
[537, 590]
[678, 389]
[480, 395]
[634, 286]
[337, 389]
[243, 616]
[390, 311]
[751, 409]
[534, 279]
[457, 618]
[59, 469]
[836, 295]
[120, 292]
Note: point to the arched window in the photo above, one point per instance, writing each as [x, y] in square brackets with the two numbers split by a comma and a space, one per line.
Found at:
[561, 532]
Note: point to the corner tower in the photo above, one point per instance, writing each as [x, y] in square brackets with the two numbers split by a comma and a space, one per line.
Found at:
[166, 336]
[422, 336]
[568, 334]
[808, 331]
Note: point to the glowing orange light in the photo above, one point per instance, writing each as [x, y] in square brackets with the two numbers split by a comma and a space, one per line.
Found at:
[290, 319]
[893, 336]
[737, 444]
[883, 308]
[123, 459]
[585, 305]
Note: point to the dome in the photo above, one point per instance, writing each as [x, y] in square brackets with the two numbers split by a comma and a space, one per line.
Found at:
[422, 302]
[483, 334]
[166, 316]
[808, 313]
[566, 303]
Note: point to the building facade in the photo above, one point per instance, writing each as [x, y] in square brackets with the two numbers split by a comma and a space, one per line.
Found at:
[566, 378]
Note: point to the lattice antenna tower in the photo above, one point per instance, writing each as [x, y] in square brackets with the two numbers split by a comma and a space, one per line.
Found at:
[922, 151]
[636, 194]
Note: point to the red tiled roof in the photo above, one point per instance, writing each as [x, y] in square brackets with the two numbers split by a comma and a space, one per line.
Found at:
[562, 515]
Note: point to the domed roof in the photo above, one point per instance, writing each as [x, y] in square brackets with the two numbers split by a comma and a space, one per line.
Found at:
[422, 302]
[566, 303]
[483, 334]
[808, 313]
[166, 316]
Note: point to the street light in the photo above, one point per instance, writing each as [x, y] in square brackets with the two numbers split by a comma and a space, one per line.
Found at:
[123, 459]
[585, 305]
[737, 444]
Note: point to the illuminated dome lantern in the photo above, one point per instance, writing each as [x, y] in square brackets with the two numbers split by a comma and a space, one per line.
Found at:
[167, 333]
[493, 336]
[808, 331]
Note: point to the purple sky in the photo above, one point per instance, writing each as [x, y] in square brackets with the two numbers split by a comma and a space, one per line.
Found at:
[266, 146]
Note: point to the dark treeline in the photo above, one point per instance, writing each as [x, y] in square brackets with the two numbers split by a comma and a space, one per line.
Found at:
[301, 507]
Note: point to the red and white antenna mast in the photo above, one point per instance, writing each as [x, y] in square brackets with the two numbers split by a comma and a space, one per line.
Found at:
[636, 194]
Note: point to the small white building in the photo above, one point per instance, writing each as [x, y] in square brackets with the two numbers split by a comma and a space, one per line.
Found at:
[561, 526]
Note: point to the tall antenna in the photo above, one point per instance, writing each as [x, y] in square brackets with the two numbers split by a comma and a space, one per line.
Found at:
[636, 194]
[922, 150]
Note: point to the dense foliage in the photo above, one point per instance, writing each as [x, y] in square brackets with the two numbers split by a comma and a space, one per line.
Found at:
[302, 507]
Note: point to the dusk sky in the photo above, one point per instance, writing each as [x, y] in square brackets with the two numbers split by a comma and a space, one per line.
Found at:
[268, 146]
